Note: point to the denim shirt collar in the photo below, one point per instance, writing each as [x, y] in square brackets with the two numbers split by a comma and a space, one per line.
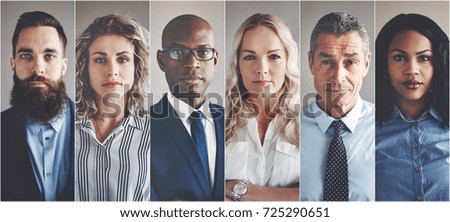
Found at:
[430, 111]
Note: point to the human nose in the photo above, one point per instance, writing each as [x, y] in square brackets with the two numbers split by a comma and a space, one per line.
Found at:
[263, 67]
[113, 69]
[192, 62]
[412, 67]
[38, 66]
[339, 73]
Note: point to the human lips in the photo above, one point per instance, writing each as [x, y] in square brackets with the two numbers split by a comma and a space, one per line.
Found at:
[412, 84]
[112, 84]
[262, 82]
[37, 83]
[337, 88]
[192, 79]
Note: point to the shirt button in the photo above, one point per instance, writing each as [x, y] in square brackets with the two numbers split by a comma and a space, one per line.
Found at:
[417, 169]
[419, 198]
[415, 145]
[47, 174]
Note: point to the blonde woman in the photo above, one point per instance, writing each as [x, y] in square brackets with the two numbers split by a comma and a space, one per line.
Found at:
[112, 128]
[262, 126]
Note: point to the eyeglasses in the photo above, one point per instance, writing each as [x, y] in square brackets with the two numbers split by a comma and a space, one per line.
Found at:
[201, 54]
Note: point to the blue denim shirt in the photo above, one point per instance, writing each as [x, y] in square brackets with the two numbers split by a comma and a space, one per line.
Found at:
[412, 158]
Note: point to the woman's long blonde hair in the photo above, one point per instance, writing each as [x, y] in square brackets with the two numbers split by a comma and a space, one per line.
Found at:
[139, 37]
[288, 103]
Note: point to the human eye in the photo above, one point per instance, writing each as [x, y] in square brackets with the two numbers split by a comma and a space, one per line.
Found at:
[204, 52]
[399, 57]
[178, 53]
[100, 60]
[424, 58]
[123, 59]
[274, 56]
[325, 62]
[350, 62]
[25, 56]
[49, 57]
[249, 57]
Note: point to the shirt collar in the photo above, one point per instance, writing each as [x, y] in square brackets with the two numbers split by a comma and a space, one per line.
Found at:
[55, 123]
[350, 120]
[398, 114]
[184, 110]
[131, 121]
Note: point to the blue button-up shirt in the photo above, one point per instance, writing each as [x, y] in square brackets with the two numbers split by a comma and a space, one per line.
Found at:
[50, 154]
[412, 158]
[359, 141]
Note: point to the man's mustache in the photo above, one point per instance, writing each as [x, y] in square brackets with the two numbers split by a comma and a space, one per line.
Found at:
[35, 78]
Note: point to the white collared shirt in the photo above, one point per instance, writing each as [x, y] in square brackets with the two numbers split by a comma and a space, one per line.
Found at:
[183, 111]
[276, 163]
[359, 139]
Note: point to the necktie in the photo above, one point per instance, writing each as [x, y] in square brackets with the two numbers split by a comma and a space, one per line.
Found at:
[198, 135]
[336, 175]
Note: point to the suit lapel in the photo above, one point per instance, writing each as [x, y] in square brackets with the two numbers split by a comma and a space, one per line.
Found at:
[176, 130]
[218, 115]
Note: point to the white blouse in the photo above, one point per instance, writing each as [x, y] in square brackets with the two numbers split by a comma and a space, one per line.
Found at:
[274, 164]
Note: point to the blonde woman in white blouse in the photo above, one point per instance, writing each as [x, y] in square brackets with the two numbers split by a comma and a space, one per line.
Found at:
[112, 141]
[262, 126]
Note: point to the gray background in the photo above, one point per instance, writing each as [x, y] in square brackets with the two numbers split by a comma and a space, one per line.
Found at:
[10, 12]
[238, 12]
[311, 12]
[87, 11]
[161, 13]
[438, 11]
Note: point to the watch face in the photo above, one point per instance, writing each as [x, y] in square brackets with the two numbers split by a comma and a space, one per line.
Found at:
[240, 188]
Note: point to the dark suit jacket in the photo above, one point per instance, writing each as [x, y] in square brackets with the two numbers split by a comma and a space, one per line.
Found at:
[18, 180]
[176, 168]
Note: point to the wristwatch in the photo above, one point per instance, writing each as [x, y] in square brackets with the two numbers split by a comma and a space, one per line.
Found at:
[240, 189]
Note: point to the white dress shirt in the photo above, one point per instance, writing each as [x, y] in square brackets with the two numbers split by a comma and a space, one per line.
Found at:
[276, 163]
[183, 111]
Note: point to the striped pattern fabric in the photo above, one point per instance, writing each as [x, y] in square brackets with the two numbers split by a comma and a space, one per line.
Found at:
[117, 169]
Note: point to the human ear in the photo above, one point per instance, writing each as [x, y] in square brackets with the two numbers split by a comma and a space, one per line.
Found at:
[161, 60]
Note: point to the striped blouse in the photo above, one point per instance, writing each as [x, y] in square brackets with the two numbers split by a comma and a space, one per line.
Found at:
[117, 169]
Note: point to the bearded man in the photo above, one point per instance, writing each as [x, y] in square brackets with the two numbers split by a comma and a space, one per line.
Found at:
[37, 131]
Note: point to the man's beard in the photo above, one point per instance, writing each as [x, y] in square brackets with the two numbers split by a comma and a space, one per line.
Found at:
[39, 104]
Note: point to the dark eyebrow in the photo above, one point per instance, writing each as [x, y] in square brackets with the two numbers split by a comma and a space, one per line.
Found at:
[178, 45]
[417, 53]
[398, 50]
[325, 55]
[423, 51]
[24, 50]
[50, 50]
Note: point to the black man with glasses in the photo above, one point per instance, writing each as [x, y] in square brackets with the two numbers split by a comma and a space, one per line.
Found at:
[187, 137]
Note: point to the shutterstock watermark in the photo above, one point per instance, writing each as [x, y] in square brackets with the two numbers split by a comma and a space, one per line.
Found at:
[110, 100]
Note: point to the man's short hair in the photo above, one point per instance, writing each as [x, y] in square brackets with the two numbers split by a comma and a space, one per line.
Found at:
[338, 23]
[37, 18]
